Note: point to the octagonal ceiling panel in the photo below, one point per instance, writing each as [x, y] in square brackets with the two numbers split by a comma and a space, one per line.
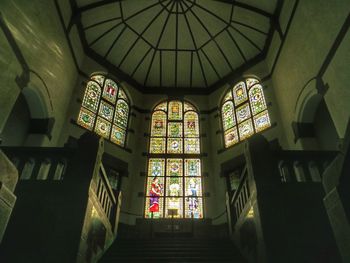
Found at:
[176, 43]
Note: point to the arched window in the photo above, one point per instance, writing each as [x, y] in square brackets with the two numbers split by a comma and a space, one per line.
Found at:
[105, 109]
[174, 182]
[244, 111]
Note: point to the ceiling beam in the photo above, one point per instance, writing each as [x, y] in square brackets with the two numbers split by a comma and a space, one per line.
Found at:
[246, 6]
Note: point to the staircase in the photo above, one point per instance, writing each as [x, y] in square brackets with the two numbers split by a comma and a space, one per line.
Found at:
[172, 250]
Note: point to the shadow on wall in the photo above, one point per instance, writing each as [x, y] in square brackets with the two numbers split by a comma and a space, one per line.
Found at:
[313, 125]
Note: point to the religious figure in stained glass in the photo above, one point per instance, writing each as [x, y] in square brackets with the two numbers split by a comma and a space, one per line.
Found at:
[174, 131]
[245, 112]
[155, 193]
[102, 112]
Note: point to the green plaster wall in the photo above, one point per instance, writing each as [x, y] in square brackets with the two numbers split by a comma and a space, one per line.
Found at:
[312, 33]
[37, 31]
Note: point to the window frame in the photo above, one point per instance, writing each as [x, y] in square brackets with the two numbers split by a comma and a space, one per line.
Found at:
[235, 107]
[114, 106]
[166, 156]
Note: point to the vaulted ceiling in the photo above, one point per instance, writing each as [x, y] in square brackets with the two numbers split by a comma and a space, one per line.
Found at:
[184, 44]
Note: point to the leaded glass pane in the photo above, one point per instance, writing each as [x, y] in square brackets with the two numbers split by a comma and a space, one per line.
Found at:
[174, 145]
[228, 115]
[251, 82]
[193, 186]
[193, 207]
[122, 95]
[191, 124]
[157, 145]
[161, 106]
[103, 127]
[243, 112]
[121, 113]
[174, 207]
[192, 145]
[92, 96]
[158, 124]
[156, 167]
[175, 110]
[192, 167]
[228, 96]
[231, 137]
[262, 121]
[174, 186]
[188, 107]
[175, 129]
[239, 93]
[155, 186]
[99, 79]
[110, 91]
[154, 207]
[86, 119]
[174, 167]
[257, 100]
[106, 111]
[245, 129]
[118, 135]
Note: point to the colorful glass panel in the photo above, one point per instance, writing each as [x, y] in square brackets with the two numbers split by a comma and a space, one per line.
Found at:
[239, 93]
[106, 111]
[154, 207]
[175, 129]
[231, 137]
[174, 167]
[193, 186]
[110, 91]
[174, 145]
[174, 186]
[103, 127]
[99, 79]
[161, 106]
[251, 82]
[122, 95]
[86, 119]
[262, 121]
[191, 124]
[245, 129]
[99, 102]
[155, 186]
[174, 207]
[175, 126]
[92, 96]
[257, 100]
[118, 135]
[158, 124]
[157, 145]
[121, 113]
[228, 96]
[193, 207]
[192, 167]
[175, 110]
[228, 115]
[156, 167]
[243, 112]
[192, 145]
[188, 107]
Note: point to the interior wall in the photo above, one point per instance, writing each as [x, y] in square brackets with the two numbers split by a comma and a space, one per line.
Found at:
[34, 50]
[313, 45]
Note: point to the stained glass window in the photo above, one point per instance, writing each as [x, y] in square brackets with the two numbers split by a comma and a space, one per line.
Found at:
[244, 111]
[105, 109]
[174, 182]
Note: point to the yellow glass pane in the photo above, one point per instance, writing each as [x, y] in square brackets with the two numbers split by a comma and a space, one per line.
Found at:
[192, 167]
[174, 145]
[245, 129]
[174, 207]
[175, 110]
[191, 124]
[154, 207]
[86, 119]
[157, 145]
[174, 167]
[231, 137]
[262, 121]
[174, 186]
[158, 128]
[103, 127]
[193, 207]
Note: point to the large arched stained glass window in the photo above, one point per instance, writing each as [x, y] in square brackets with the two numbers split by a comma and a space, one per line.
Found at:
[105, 109]
[174, 182]
[244, 111]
